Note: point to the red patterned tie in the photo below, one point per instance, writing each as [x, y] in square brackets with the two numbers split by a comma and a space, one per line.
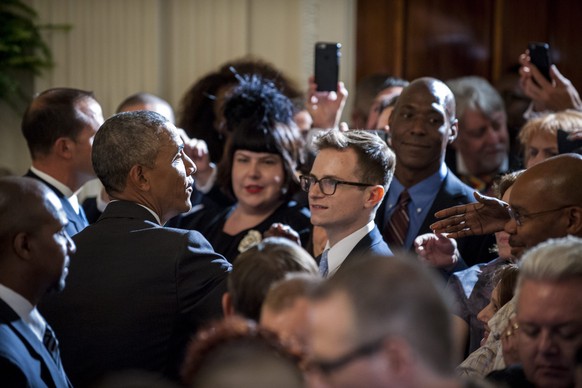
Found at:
[396, 230]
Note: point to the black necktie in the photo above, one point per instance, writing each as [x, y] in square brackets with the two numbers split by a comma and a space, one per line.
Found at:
[50, 341]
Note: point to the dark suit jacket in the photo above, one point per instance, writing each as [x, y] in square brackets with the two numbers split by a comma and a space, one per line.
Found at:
[371, 244]
[453, 192]
[24, 360]
[135, 294]
[76, 223]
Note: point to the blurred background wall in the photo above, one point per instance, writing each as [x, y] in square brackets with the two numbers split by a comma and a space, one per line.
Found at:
[118, 47]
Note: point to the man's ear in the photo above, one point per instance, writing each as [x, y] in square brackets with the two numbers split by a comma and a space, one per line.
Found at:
[575, 221]
[400, 357]
[375, 195]
[138, 178]
[63, 147]
[21, 245]
[453, 131]
[227, 308]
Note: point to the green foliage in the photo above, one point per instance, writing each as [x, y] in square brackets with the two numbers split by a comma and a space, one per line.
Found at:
[22, 49]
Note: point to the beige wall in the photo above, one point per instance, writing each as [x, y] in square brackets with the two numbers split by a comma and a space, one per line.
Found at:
[119, 47]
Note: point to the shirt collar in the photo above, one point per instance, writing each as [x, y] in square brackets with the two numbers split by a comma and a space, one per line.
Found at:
[24, 309]
[338, 253]
[151, 211]
[67, 192]
[71, 197]
[421, 194]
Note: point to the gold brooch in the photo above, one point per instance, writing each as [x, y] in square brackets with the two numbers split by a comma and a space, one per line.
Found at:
[252, 238]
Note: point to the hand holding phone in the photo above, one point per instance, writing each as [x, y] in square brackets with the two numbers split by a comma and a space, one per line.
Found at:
[539, 54]
[565, 145]
[327, 57]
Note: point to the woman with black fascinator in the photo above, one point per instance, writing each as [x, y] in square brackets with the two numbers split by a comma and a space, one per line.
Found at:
[258, 170]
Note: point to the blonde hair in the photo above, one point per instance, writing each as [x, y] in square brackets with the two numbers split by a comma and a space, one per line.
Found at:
[568, 120]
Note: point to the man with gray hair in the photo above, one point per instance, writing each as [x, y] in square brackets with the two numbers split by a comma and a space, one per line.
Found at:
[482, 144]
[137, 290]
[549, 316]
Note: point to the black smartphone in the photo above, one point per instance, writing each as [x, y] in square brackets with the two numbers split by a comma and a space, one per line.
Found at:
[539, 53]
[327, 58]
[566, 145]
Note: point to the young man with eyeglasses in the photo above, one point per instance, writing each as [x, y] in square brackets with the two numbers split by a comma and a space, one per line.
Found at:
[383, 323]
[350, 174]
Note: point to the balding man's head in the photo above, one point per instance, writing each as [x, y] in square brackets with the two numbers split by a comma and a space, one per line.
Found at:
[438, 89]
[34, 247]
[422, 124]
[546, 194]
[557, 179]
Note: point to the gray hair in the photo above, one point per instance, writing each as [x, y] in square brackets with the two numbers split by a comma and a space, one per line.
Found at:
[553, 260]
[475, 93]
[126, 140]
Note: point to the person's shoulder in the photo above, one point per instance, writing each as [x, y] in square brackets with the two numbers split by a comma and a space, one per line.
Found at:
[292, 212]
[373, 243]
[458, 189]
[192, 244]
[12, 373]
[202, 216]
[12, 346]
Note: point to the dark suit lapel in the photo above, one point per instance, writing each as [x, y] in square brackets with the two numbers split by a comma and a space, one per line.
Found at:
[76, 223]
[36, 348]
[363, 246]
[449, 194]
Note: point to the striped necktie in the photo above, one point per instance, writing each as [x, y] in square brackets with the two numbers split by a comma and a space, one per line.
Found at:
[50, 342]
[323, 264]
[397, 228]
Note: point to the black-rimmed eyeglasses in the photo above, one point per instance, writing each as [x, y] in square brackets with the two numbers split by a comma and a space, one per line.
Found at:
[328, 367]
[326, 185]
[519, 218]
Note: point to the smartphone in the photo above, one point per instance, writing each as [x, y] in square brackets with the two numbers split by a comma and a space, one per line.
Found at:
[568, 146]
[327, 58]
[539, 53]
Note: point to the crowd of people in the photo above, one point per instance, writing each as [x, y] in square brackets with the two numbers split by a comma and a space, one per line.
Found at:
[263, 243]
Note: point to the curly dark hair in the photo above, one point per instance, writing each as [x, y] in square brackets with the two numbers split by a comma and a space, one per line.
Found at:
[197, 108]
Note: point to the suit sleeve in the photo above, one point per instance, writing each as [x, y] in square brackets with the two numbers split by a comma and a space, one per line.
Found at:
[201, 280]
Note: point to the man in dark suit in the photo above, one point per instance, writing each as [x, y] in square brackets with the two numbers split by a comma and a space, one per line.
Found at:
[422, 124]
[137, 290]
[350, 174]
[382, 324]
[59, 126]
[34, 256]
